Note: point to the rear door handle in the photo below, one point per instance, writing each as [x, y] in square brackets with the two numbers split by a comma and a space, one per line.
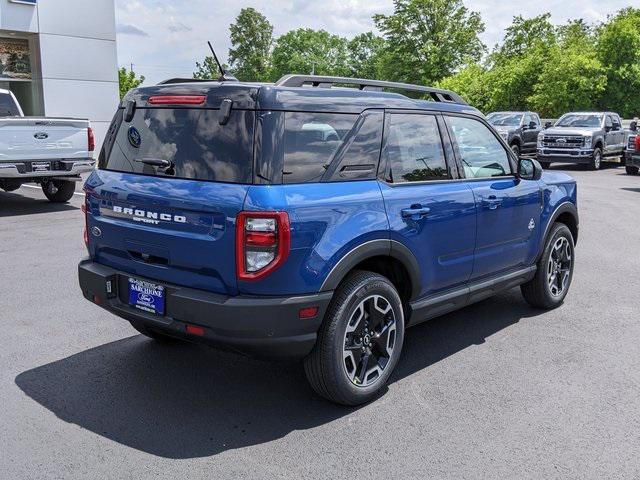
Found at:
[415, 211]
[491, 202]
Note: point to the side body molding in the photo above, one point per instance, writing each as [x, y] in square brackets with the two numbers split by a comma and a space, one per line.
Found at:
[375, 248]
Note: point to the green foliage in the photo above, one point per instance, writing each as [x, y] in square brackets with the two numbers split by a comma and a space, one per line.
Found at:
[427, 40]
[618, 48]
[474, 83]
[251, 39]
[128, 80]
[523, 36]
[364, 55]
[208, 69]
[306, 51]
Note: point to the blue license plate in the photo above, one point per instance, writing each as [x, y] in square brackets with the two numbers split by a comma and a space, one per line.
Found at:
[146, 296]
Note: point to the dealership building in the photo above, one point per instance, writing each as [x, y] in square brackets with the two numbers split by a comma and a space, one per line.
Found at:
[59, 58]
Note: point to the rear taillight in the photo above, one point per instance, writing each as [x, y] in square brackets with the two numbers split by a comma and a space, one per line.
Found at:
[85, 208]
[637, 142]
[262, 243]
[177, 100]
[92, 139]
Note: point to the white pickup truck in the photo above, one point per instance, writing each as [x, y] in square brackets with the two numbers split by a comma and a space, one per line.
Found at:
[51, 152]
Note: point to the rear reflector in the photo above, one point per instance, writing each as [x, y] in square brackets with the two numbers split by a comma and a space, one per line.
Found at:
[177, 100]
[195, 330]
[308, 312]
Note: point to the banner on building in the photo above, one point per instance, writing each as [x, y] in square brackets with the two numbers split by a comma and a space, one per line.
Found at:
[15, 59]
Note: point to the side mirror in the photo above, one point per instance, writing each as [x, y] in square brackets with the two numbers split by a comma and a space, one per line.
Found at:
[529, 169]
[548, 125]
[533, 125]
[634, 126]
[608, 128]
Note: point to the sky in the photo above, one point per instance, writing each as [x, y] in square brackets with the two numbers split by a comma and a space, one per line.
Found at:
[164, 38]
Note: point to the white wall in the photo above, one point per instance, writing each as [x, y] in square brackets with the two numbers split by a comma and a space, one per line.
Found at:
[18, 17]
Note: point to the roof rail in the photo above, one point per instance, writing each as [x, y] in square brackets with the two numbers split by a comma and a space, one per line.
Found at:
[226, 78]
[436, 94]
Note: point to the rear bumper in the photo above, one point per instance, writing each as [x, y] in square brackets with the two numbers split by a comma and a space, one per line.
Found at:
[59, 168]
[257, 326]
[572, 156]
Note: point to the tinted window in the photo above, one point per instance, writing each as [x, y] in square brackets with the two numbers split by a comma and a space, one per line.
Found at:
[527, 120]
[481, 153]
[311, 140]
[579, 120]
[505, 119]
[414, 149]
[536, 119]
[8, 107]
[192, 140]
[608, 122]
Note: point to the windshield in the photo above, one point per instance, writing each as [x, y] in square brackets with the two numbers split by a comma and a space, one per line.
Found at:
[580, 120]
[505, 119]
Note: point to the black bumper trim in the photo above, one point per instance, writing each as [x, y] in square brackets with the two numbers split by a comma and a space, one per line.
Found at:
[257, 326]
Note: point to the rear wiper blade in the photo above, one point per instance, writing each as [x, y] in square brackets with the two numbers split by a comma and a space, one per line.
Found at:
[155, 162]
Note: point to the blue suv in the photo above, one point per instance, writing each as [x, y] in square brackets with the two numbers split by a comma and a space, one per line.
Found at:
[315, 219]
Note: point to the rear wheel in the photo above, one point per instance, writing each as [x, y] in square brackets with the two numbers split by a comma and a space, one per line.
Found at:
[596, 159]
[360, 340]
[515, 148]
[631, 170]
[58, 191]
[551, 283]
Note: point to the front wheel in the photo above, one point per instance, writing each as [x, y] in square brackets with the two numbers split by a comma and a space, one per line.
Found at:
[515, 148]
[58, 191]
[551, 283]
[631, 170]
[596, 160]
[359, 342]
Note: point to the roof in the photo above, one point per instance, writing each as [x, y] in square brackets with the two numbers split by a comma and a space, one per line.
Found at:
[264, 96]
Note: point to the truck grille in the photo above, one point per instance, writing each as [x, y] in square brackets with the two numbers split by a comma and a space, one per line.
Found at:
[562, 141]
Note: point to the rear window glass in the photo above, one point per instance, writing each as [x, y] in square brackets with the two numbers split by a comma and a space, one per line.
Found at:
[311, 140]
[8, 107]
[190, 143]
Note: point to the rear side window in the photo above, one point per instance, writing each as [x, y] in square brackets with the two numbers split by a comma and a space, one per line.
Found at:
[414, 149]
[192, 141]
[311, 140]
[8, 107]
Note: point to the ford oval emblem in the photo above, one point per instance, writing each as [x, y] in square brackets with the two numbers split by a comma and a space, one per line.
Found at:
[41, 136]
[134, 137]
[96, 232]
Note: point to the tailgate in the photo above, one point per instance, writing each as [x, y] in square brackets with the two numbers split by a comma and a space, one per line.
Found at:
[34, 138]
[172, 230]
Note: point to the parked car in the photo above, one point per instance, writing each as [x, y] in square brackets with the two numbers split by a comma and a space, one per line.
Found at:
[583, 138]
[519, 129]
[51, 152]
[301, 221]
[632, 155]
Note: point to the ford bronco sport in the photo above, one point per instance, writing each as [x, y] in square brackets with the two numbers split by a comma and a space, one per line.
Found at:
[309, 220]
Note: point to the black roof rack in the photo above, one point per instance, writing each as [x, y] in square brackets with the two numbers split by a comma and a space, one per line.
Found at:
[226, 78]
[436, 94]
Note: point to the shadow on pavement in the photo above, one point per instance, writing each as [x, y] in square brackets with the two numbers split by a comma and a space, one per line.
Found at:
[628, 189]
[185, 401]
[15, 205]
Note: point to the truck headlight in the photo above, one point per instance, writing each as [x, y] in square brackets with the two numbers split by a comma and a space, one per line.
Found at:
[587, 141]
[540, 140]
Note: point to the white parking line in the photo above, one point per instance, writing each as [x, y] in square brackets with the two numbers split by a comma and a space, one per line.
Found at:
[81, 194]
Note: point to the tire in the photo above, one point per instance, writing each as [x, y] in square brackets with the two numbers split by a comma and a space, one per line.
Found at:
[515, 148]
[336, 367]
[596, 160]
[631, 170]
[545, 165]
[58, 191]
[540, 292]
[154, 334]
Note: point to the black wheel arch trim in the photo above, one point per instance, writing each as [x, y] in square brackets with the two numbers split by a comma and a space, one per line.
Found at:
[565, 207]
[370, 249]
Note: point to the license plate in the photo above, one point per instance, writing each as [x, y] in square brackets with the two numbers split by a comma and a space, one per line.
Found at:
[40, 166]
[146, 296]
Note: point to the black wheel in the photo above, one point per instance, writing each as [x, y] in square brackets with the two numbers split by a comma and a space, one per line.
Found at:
[596, 159]
[553, 278]
[359, 342]
[545, 165]
[58, 191]
[515, 148]
[631, 170]
[154, 334]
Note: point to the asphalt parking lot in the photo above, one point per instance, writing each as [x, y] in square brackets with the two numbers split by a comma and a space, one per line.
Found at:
[497, 390]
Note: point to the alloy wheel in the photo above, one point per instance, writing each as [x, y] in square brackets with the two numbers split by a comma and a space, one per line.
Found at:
[369, 340]
[559, 267]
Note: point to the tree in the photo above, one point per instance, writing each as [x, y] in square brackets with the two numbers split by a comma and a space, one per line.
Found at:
[523, 36]
[618, 48]
[428, 40]
[474, 83]
[208, 69]
[364, 55]
[251, 40]
[306, 51]
[128, 80]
